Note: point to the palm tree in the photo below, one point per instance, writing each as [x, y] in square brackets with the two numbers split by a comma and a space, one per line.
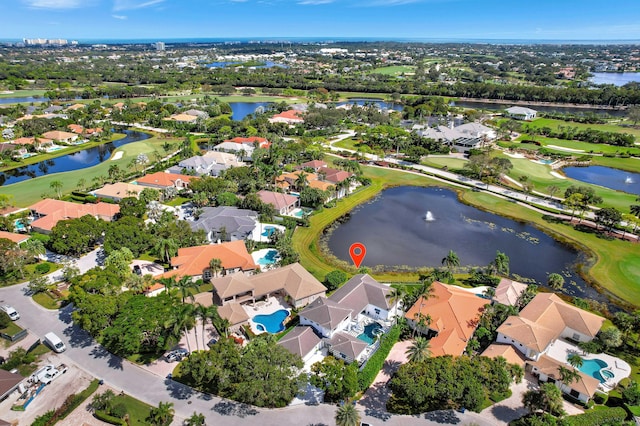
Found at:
[347, 415]
[568, 375]
[166, 248]
[501, 263]
[56, 185]
[423, 292]
[396, 295]
[451, 260]
[185, 284]
[162, 415]
[82, 184]
[199, 312]
[575, 360]
[34, 248]
[552, 189]
[419, 350]
[168, 283]
[181, 321]
[196, 419]
[215, 265]
[301, 181]
[555, 281]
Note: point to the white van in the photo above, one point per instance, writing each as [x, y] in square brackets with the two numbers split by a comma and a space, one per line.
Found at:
[10, 310]
[54, 342]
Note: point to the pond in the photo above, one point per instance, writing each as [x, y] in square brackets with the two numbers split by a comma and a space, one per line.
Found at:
[241, 109]
[417, 227]
[76, 161]
[541, 108]
[24, 100]
[607, 177]
[380, 103]
[615, 78]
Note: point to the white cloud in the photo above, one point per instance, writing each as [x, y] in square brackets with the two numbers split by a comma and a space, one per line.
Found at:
[134, 4]
[56, 4]
[121, 17]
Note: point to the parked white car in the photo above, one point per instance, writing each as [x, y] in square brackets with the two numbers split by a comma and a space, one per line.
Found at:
[10, 310]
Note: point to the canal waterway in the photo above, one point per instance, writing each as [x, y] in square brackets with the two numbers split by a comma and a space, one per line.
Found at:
[78, 160]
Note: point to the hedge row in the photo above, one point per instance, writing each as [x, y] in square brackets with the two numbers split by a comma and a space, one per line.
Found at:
[72, 402]
[367, 375]
[600, 417]
[101, 415]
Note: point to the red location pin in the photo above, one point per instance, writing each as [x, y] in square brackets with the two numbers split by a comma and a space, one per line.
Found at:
[357, 251]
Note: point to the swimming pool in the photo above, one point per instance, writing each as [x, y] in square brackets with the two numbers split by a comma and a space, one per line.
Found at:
[19, 225]
[268, 231]
[592, 367]
[370, 333]
[272, 323]
[269, 258]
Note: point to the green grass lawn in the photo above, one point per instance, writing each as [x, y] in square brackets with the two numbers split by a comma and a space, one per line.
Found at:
[138, 411]
[587, 147]
[30, 191]
[554, 124]
[393, 70]
[11, 329]
[440, 162]
[348, 143]
[539, 175]
[45, 300]
[176, 201]
[23, 93]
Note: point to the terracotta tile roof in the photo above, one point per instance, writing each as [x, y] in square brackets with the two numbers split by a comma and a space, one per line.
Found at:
[545, 318]
[314, 164]
[454, 314]
[290, 116]
[587, 385]
[300, 341]
[58, 135]
[164, 179]
[76, 128]
[508, 291]
[508, 352]
[24, 141]
[119, 190]
[335, 175]
[16, 238]
[56, 210]
[234, 313]
[277, 199]
[262, 142]
[192, 261]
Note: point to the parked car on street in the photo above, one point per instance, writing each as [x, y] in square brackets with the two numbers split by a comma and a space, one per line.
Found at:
[10, 310]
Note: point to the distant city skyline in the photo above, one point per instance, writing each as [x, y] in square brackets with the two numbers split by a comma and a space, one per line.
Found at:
[162, 20]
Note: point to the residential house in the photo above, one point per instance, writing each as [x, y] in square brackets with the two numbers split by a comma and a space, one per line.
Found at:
[194, 261]
[289, 182]
[508, 292]
[52, 109]
[12, 236]
[9, 382]
[197, 113]
[463, 138]
[302, 341]
[76, 107]
[48, 212]
[548, 370]
[60, 136]
[284, 204]
[545, 319]
[508, 352]
[292, 282]
[521, 113]
[243, 147]
[290, 117]
[339, 319]
[182, 118]
[449, 315]
[162, 180]
[76, 128]
[117, 191]
[15, 149]
[316, 165]
[226, 223]
[212, 163]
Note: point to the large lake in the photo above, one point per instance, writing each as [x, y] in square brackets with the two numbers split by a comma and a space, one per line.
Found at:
[76, 161]
[241, 109]
[394, 230]
[615, 78]
[607, 177]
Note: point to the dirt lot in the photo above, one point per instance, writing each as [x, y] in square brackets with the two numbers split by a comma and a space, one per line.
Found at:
[51, 397]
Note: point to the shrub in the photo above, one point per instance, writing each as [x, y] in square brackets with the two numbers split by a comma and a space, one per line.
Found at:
[118, 410]
[605, 416]
[4, 320]
[600, 398]
[367, 375]
[44, 419]
[101, 415]
[334, 279]
[43, 268]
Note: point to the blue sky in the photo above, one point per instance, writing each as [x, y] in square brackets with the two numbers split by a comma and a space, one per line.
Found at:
[436, 19]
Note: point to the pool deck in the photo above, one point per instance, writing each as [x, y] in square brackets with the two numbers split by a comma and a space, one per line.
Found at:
[256, 235]
[560, 350]
[264, 307]
[259, 254]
